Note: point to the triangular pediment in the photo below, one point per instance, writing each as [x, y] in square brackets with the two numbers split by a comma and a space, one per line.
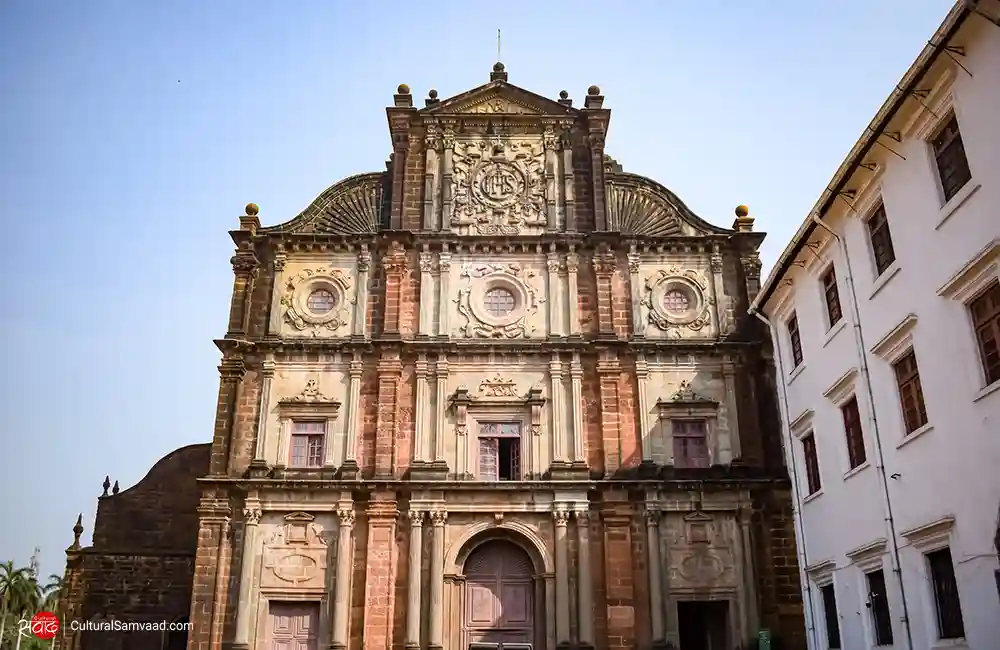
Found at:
[499, 97]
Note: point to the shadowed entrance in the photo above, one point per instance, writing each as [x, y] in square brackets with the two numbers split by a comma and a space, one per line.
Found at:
[499, 602]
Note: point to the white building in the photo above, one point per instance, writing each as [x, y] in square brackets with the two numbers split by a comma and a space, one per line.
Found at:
[885, 315]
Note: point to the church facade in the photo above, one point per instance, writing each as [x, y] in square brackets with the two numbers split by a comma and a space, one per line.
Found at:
[502, 395]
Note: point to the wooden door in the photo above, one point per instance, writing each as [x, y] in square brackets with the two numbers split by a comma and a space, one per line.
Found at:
[499, 597]
[294, 626]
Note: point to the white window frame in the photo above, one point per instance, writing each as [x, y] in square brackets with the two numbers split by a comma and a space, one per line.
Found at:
[839, 394]
[924, 539]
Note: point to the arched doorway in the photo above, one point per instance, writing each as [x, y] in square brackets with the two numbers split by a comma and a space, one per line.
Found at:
[499, 595]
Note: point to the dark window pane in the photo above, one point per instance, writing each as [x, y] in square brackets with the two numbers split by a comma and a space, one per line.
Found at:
[878, 603]
[830, 617]
[946, 601]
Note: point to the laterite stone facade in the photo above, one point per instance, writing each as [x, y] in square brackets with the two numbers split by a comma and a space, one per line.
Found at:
[501, 395]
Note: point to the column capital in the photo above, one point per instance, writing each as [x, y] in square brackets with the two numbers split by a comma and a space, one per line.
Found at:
[561, 515]
[572, 262]
[251, 514]
[346, 517]
[416, 518]
[438, 518]
[633, 263]
[364, 259]
[652, 516]
[268, 367]
[582, 517]
[232, 369]
[426, 262]
[420, 367]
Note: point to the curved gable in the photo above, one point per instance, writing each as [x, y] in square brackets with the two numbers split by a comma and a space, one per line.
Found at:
[640, 206]
[353, 206]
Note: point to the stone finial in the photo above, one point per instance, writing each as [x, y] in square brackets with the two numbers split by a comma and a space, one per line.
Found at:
[77, 531]
[432, 98]
[564, 98]
[106, 485]
[743, 222]
[499, 72]
[252, 209]
[114, 490]
[402, 98]
[594, 98]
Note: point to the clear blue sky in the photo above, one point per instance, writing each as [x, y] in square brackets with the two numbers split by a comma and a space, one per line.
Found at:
[133, 133]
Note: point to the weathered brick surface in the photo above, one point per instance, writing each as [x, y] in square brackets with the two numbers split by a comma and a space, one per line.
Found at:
[369, 421]
[141, 563]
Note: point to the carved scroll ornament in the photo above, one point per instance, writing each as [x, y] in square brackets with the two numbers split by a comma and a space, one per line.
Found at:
[307, 319]
[677, 299]
[512, 279]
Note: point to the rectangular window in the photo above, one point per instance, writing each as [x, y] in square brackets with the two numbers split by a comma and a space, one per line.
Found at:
[856, 453]
[796, 340]
[878, 605]
[690, 443]
[307, 444]
[911, 395]
[832, 297]
[881, 239]
[500, 451]
[949, 155]
[986, 318]
[830, 617]
[946, 603]
[812, 463]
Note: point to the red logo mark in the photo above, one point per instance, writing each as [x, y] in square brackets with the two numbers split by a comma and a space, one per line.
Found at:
[44, 625]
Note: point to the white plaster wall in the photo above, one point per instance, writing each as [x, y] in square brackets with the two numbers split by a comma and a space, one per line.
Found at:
[950, 469]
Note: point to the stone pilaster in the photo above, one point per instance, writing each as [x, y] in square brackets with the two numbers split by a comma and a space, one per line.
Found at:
[448, 143]
[420, 430]
[551, 145]
[722, 310]
[569, 194]
[277, 288]
[655, 571]
[394, 265]
[258, 466]
[561, 517]
[342, 593]
[380, 578]
[608, 371]
[424, 321]
[645, 428]
[635, 285]
[413, 605]
[390, 369]
[432, 145]
[579, 432]
[584, 581]
[360, 329]
[732, 409]
[251, 518]
[245, 265]
[444, 280]
[573, 295]
[349, 468]
[555, 308]
[436, 632]
[605, 265]
[440, 463]
[231, 373]
[558, 432]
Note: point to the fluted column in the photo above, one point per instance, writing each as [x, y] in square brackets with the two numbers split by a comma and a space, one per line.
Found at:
[558, 431]
[573, 308]
[655, 574]
[426, 292]
[277, 289]
[568, 182]
[561, 517]
[436, 635]
[420, 430]
[444, 281]
[645, 429]
[251, 517]
[413, 608]
[349, 467]
[342, 602]
[360, 325]
[553, 266]
[441, 372]
[576, 386]
[584, 584]
[267, 374]
[635, 284]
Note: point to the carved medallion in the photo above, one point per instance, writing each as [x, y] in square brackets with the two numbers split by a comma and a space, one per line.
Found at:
[499, 186]
[701, 567]
[316, 300]
[677, 299]
[295, 568]
[498, 301]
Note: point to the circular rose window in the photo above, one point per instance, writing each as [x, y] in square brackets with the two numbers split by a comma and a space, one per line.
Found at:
[676, 301]
[321, 301]
[499, 302]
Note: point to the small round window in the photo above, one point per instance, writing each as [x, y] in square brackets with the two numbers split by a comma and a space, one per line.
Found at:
[677, 301]
[321, 301]
[499, 302]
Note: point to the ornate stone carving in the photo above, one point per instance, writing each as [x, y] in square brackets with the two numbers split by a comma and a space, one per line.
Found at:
[686, 394]
[701, 566]
[652, 517]
[311, 394]
[633, 263]
[439, 517]
[572, 262]
[394, 261]
[499, 187]
[432, 139]
[295, 568]
[561, 516]
[716, 262]
[295, 301]
[676, 299]
[512, 278]
[751, 265]
[605, 263]
[251, 515]
[426, 262]
[498, 387]
[346, 517]
[496, 104]
[550, 140]
[364, 259]
[416, 518]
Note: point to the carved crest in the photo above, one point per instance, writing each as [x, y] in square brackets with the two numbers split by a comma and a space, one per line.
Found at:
[498, 387]
[686, 394]
[311, 394]
[499, 186]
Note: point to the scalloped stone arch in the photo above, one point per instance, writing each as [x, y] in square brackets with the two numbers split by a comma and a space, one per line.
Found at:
[640, 206]
[511, 531]
[352, 206]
